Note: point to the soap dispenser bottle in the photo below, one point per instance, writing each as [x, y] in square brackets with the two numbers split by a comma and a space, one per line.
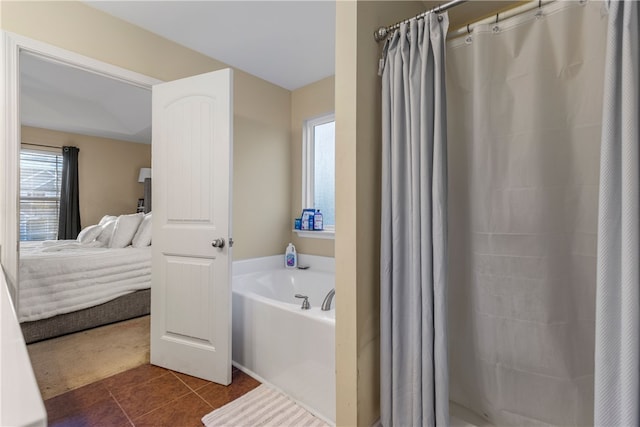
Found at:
[291, 257]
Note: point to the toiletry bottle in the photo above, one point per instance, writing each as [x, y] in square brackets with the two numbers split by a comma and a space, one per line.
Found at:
[307, 219]
[290, 257]
[317, 221]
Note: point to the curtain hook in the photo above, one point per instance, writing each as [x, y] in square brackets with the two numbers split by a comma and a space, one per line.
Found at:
[539, 13]
[496, 28]
[468, 30]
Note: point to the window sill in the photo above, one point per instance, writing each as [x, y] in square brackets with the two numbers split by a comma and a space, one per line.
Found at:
[324, 234]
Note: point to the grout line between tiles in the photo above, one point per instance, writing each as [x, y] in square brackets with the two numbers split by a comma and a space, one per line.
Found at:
[163, 405]
[190, 388]
[203, 399]
[121, 408]
[134, 384]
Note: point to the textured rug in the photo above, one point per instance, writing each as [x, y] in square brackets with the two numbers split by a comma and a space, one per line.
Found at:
[262, 406]
[66, 363]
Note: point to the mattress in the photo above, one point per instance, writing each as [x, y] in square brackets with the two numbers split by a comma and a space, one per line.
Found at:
[65, 276]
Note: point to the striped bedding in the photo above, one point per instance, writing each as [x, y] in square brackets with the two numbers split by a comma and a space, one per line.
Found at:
[64, 276]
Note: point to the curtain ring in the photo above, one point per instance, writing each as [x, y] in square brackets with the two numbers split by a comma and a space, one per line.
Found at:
[539, 13]
[496, 28]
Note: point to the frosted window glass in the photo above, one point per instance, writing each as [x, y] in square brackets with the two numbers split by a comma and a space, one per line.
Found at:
[324, 181]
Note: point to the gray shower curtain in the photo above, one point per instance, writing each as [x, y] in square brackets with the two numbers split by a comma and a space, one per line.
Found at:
[414, 372]
[617, 354]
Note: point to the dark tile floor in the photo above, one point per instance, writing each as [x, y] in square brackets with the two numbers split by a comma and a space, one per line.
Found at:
[145, 396]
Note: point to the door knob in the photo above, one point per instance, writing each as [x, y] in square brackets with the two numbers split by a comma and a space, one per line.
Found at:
[218, 243]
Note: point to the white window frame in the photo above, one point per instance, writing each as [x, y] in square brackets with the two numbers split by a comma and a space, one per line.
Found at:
[308, 169]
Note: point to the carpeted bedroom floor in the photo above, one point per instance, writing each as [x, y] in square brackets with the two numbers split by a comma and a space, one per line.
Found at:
[72, 361]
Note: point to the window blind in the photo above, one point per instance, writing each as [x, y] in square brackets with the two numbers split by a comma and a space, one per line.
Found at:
[40, 179]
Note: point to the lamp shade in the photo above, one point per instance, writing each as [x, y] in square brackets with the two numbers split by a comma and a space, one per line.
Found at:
[144, 173]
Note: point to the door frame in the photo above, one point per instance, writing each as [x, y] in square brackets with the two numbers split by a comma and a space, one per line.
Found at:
[10, 48]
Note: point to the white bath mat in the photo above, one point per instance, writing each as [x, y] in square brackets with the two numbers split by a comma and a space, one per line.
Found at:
[262, 406]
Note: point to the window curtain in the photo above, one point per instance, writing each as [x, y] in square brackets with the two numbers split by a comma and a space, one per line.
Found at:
[414, 373]
[617, 353]
[69, 219]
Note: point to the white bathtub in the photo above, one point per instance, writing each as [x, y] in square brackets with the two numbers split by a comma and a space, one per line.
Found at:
[275, 340]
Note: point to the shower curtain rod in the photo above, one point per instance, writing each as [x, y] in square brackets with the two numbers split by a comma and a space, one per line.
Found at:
[382, 32]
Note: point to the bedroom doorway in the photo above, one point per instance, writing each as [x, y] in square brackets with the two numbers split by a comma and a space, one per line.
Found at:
[68, 279]
[14, 50]
[178, 315]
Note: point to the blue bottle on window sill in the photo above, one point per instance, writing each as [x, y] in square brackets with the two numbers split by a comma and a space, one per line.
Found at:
[317, 221]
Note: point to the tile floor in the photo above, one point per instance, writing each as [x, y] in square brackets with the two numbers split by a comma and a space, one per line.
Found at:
[145, 396]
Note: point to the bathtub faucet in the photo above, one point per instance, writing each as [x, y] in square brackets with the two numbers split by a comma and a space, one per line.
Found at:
[305, 302]
[326, 304]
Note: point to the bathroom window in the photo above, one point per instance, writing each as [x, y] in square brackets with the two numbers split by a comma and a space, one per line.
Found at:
[318, 170]
[40, 181]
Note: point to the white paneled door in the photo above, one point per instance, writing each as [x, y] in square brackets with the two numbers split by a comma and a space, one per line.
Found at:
[191, 274]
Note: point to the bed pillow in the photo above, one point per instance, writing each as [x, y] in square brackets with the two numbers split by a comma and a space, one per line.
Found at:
[107, 218]
[89, 234]
[142, 237]
[126, 227]
[107, 232]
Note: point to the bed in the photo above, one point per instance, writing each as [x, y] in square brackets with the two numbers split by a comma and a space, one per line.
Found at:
[67, 286]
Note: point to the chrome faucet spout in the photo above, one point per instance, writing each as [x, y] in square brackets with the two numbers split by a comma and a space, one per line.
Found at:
[326, 304]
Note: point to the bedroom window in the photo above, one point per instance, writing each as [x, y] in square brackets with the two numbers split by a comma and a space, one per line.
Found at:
[40, 179]
[318, 170]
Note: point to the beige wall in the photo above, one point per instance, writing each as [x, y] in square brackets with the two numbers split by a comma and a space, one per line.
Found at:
[107, 168]
[261, 193]
[307, 102]
[357, 244]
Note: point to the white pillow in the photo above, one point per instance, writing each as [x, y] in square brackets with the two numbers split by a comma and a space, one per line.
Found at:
[89, 234]
[107, 232]
[142, 237]
[126, 227]
[107, 218]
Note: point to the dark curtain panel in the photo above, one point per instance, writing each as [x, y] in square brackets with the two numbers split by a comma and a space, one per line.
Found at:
[69, 219]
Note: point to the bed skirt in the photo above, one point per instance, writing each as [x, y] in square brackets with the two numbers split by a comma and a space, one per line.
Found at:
[128, 306]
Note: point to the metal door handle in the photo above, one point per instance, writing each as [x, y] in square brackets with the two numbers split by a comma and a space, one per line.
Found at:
[218, 243]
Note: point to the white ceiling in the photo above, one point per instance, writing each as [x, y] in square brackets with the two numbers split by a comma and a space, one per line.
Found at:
[59, 97]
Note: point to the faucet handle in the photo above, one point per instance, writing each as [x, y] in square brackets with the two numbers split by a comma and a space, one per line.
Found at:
[305, 303]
